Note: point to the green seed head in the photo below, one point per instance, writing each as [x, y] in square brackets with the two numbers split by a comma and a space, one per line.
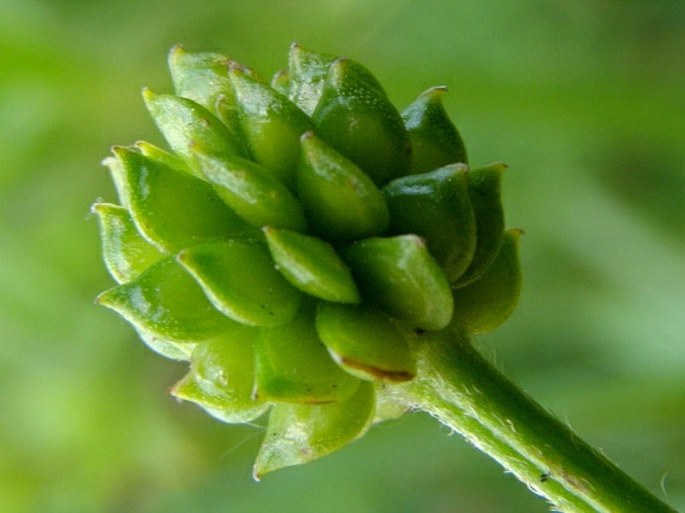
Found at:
[297, 240]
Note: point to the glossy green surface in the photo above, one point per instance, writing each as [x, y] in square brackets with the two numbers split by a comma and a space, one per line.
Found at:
[436, 206]
[341, 202]
[400, 277]
[189, 128]
[172, 209]
[355, 116]
[487, 302]
[239, 279]
[201, 77]
[582, 100]
[271, 125]
[311, 265]
[167, 348]
[365, 342]
[222, 376]
[293, 366]
[484, 191]
[302, 433]
[166, 302]
[167, 158]
[253, 192]
[307, 71]
[125, 252]
[435, 141]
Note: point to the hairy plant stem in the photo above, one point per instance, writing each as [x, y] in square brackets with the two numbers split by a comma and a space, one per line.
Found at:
[464, 391]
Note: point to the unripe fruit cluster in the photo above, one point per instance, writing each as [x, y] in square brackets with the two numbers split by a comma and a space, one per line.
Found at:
[296, 240]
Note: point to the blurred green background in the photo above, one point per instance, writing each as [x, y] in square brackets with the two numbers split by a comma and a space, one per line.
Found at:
[584, 99]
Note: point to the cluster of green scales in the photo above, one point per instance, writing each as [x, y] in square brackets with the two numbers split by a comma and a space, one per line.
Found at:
[297, 242]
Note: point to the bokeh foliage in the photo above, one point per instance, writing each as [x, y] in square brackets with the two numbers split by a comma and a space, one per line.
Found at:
[583, 99]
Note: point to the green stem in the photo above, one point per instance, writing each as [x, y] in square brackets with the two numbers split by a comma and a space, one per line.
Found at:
[465, 392]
